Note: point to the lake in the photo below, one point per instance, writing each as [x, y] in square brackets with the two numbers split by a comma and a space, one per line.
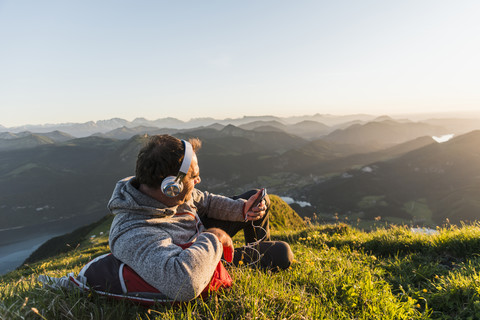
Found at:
[13, 255]
[16, 244]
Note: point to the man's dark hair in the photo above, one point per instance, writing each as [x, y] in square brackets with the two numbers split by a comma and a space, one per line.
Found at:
[161, 157]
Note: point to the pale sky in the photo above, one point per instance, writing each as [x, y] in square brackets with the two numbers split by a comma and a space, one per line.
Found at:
[75, 61]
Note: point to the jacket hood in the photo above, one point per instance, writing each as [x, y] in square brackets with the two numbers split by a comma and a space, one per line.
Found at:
[126, 196]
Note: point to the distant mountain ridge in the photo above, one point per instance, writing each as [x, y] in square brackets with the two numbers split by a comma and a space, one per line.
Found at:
[309, 127]
[102, 126]
[27, 139]
[56, 136]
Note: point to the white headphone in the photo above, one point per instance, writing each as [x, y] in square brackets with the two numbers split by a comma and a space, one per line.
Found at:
[172, 186]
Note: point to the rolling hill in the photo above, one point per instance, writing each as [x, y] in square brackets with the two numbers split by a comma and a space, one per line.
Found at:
[382, 134]
[426, 185]
[306, 129]
[57, 180]
[456, 125]
[26, 139]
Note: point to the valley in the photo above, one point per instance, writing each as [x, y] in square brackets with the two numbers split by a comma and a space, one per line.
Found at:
[358, 168]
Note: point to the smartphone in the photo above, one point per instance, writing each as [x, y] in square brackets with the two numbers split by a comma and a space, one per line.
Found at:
[258, 200]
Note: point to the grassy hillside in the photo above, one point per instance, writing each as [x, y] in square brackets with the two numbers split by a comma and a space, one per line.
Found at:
[283, 217]
[340, 273]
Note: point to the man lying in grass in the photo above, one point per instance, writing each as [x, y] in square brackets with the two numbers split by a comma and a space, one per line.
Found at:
[170, 236]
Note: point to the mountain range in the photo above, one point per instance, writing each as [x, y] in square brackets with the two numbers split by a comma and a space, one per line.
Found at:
[355, 130]
[102, 126]
[317, 124]
[428, 185]
[358, 166]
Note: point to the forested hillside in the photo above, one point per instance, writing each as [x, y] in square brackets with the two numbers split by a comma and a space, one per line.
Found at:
[419, 181]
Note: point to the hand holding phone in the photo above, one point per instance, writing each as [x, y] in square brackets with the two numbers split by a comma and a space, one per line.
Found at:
[256, 202]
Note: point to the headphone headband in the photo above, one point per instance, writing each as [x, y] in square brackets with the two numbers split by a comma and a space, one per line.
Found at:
[187, 158]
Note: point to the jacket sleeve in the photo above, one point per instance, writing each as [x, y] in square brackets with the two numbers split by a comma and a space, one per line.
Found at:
[218, 207]
[180, 274]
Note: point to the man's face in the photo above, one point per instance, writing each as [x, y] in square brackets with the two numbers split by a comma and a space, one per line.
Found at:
[191, 179]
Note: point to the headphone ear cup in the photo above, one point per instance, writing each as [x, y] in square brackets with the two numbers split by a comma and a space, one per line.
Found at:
[170, 187]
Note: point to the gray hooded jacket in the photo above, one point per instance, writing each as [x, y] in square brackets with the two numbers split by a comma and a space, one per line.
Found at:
[146, 235]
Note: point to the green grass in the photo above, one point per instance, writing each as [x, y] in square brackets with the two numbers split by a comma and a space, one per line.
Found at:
[340, 273]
